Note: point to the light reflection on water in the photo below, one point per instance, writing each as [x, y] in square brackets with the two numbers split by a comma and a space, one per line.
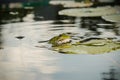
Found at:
[20, 59]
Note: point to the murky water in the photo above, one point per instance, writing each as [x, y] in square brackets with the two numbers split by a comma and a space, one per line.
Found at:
[24, 57]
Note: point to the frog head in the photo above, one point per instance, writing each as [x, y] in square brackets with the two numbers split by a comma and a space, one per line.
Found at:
[60, 39]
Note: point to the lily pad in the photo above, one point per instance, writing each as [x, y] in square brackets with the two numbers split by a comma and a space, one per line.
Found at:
[112, 18]
[90, 46]
[89, 12]
[71, 3]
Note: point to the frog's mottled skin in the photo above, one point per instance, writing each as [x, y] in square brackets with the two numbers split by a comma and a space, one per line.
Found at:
[90, 46]
[60, 39]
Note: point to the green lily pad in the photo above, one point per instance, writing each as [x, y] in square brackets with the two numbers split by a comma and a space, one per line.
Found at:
[90, 46]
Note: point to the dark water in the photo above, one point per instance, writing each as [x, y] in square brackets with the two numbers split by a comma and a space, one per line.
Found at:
[24, 57]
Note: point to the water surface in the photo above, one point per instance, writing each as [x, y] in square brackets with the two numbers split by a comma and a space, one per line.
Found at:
[24, 57]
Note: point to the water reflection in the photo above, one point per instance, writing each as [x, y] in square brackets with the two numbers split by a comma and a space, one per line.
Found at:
[24, 56]
[23, 59]
[111, 75]
[0, 37]
[34, 66]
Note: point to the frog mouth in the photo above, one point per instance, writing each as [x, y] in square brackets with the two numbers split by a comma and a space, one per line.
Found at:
[59, 42]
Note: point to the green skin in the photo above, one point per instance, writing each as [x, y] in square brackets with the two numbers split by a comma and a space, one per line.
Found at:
[92, 46]
[55, 41]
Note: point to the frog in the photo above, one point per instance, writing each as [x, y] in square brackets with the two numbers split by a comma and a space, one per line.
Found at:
[61, 39]
[63, 44]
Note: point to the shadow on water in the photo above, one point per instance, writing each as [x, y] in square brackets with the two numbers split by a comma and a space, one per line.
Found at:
[95, 24]
[111, 75]
[39, 13]
[1, 38]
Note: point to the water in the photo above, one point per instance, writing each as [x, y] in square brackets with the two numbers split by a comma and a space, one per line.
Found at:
[24, 57]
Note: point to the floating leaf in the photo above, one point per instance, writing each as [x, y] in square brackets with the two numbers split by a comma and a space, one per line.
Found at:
[89, 46]
[89, 12]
